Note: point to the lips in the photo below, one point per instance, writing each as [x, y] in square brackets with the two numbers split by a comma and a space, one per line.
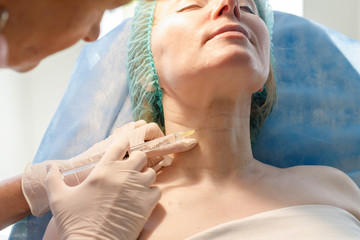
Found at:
[227, 30]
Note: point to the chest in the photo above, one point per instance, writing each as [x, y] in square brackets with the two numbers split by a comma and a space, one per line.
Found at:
[184, 215]
[184, 212]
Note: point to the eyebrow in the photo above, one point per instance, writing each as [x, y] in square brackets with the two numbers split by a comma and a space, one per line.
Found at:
[174, 2]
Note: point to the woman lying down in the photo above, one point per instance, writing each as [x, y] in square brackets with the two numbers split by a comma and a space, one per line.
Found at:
[208, 67]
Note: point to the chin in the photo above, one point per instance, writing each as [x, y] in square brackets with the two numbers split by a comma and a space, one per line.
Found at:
[25, 67]
[231, 63]
[232, 54]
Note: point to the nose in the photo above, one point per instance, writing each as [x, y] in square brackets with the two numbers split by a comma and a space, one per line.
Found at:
[93, 33]
[226, 7]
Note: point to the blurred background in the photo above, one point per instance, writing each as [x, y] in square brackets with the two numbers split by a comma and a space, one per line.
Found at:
[28, 101]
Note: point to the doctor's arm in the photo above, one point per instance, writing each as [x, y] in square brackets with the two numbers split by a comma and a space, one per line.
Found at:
[12, 201]
[22, 195]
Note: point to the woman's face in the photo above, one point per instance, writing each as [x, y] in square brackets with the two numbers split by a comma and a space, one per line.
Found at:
[218, 46]
[39, 28]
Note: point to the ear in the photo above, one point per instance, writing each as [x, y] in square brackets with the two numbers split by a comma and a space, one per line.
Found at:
[261, 89]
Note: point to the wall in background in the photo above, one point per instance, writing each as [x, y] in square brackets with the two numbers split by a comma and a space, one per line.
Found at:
[28, 101]
[343, 16]
[295, 7]
[27, 104]
[358, 22]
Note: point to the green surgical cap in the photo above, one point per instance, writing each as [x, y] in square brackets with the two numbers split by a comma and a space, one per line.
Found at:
[143, 80]
[266, 13]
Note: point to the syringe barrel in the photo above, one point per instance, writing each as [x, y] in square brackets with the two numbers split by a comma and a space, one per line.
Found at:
[79, 174]
[157, 143]
[76, 177]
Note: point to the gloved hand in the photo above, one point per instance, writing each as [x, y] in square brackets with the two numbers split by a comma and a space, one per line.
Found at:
[114, 201]
[33, 180]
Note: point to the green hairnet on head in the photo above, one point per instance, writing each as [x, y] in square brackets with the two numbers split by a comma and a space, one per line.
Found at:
[143, 80]
[266, 13]
[144, 87]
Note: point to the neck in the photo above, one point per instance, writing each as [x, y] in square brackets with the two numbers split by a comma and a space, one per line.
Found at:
[223, 134]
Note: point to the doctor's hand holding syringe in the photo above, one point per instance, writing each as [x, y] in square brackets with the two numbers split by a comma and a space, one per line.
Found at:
[72, 187]
[154, 150]
[26, 38]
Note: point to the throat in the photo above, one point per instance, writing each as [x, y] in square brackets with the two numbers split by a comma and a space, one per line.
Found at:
[220, 154]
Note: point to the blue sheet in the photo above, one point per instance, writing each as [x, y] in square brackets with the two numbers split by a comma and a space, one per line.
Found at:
[317, 118]
[316, 121]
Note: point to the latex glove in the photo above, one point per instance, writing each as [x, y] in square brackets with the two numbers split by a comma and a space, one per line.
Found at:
[33, 180]
[114, 202]
[157, 158]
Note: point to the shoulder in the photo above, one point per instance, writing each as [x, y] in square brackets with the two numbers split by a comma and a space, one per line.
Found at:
[331, 185]
[324, 175]
[319, 173]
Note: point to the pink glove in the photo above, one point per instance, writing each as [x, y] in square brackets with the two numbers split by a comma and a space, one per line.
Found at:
[114, 202]
[33, 181]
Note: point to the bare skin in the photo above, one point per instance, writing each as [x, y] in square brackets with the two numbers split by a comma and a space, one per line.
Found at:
[35, 30]
[219, 180]
[49, 27]
[220, 194]
[220, 200]
[12, 197]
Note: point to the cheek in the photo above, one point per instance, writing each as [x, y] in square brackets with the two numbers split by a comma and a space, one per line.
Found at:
[172, 46]
[263, 47]
[82, 27]
[266, 49]
[171, 36]
[62, 41]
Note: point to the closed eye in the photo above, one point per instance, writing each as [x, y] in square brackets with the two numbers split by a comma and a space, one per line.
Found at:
[189, 7]
[246, 9]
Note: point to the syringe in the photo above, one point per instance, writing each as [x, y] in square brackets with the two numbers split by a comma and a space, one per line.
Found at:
[153, 145]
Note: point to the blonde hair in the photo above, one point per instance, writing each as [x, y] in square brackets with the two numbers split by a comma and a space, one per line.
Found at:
[262, 105]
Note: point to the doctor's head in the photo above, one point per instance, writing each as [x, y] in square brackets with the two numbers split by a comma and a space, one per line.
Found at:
[38, 28]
